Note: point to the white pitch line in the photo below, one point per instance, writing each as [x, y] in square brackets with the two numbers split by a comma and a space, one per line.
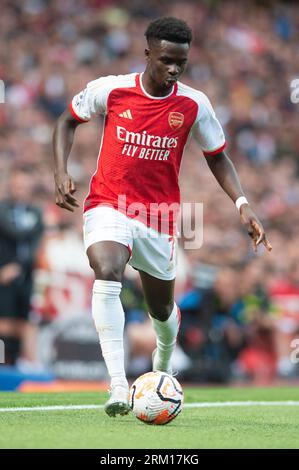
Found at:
[241, 403]
[186, 405]
[53, 408]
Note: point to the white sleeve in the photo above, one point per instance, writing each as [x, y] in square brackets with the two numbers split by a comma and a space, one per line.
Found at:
[90, 101]
[207, 130]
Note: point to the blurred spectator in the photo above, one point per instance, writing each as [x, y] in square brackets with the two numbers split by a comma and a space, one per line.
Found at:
[20, 231]
[63, 278]
[284, 293]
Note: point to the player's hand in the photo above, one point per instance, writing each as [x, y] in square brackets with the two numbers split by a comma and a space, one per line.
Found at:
[64, 190]
[254, 227]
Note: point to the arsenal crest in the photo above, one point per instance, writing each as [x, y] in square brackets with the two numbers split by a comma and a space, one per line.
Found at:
[175, 120]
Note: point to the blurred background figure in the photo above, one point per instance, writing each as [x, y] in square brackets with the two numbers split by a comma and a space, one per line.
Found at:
[21, 229]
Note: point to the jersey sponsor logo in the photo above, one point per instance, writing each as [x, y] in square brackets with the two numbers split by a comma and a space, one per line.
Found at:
[144, 145]
[175, 120]
[143, 138]
[126, 114]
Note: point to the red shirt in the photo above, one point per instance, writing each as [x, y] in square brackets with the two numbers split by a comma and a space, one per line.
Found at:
[142, 145]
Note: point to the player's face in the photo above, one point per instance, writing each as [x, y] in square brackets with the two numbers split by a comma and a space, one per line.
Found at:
[166, 61]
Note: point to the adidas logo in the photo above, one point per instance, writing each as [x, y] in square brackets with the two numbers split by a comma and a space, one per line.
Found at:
[126, 114]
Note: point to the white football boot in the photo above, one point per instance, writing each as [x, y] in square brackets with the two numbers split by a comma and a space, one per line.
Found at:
[118, 403]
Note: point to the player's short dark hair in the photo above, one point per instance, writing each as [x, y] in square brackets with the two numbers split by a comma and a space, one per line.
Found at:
[170, 29]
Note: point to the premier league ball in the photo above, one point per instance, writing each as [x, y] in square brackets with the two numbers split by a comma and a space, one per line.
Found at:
[156, 398]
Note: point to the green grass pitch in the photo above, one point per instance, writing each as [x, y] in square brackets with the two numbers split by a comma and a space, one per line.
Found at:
[245, 427]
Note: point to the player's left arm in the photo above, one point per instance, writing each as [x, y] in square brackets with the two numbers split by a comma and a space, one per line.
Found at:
[225, 173]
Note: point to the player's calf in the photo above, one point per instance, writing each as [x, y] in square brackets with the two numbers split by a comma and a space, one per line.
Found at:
[167, 332]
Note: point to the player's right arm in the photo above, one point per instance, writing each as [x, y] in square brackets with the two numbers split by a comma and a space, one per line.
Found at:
[62, 143]
[90, 101]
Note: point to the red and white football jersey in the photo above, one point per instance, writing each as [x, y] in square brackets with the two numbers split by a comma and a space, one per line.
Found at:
[142, 144]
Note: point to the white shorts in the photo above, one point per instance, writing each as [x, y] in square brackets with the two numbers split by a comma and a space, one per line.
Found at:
[152, 252]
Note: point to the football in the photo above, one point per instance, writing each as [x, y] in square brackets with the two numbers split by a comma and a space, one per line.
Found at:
[156, 398]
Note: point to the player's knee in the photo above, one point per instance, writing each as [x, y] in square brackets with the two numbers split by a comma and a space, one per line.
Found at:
[161, 311]
[105, 271]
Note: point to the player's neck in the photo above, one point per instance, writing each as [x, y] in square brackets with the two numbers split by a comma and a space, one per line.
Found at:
[152, 88]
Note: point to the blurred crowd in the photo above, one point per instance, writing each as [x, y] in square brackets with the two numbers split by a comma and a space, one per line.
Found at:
[240, 309]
